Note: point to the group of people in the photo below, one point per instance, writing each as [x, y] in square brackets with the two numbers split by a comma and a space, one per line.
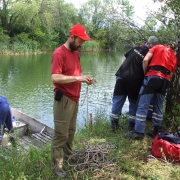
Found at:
[143, 77]
[158, 65]
[129, 78]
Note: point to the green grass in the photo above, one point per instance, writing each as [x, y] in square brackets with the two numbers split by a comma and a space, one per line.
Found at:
[130, 157]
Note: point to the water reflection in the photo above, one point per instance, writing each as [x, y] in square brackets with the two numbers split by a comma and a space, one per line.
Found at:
[25, 81]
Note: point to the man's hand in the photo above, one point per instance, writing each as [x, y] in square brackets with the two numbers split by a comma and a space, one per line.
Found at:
[86, 79]
[92, 81]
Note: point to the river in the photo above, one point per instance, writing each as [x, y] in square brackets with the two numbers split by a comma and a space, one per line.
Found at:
[26, 82]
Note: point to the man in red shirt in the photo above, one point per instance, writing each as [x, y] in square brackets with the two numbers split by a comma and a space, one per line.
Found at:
[158, 65]
[66, 75]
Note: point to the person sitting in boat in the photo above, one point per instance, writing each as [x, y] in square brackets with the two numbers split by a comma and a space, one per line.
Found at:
[6, 119]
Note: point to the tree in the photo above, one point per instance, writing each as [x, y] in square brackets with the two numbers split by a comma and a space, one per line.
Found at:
[106, 21]
[43, 22]
[64, 15]
[171, 18]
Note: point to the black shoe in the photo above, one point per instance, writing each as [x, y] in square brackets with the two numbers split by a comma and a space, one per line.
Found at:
[131, 126]
[115, 125]
[151, 134]
[134, 135]
[154, 132]
[13, 142]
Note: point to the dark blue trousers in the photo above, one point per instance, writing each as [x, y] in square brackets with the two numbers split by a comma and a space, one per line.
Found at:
[154, 87]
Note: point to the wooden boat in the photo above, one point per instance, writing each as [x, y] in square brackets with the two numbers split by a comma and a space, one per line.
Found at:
[28, 131]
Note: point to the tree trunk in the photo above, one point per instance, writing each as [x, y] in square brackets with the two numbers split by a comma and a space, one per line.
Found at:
[172, 107]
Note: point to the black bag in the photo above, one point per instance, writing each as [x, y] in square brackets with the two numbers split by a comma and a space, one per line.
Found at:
[58, 95]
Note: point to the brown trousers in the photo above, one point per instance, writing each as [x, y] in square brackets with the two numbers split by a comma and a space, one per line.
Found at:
[65, 115]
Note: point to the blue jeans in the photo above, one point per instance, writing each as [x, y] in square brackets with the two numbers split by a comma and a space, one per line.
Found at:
[118, 102]
[5, 116]
[154, 86]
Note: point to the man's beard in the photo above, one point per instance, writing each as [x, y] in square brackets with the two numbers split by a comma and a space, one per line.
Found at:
[73, 47]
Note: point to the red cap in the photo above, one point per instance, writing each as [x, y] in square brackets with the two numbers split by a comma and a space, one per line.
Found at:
[80, 31]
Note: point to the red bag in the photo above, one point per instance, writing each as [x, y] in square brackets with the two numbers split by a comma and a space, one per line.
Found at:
[166, 145]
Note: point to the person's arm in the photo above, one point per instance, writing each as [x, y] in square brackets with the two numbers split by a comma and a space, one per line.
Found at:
[146, 61]
[63, 79]
[171, 74]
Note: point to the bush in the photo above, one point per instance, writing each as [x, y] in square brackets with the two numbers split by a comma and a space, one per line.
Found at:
[3, 37]
[3, 48]
[90, 46]
[22, 41]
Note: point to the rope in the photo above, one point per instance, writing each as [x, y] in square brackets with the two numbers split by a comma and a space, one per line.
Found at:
[86, 95]
[93, 158]
[151, 157]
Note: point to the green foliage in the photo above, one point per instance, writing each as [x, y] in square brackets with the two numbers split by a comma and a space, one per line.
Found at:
[18, 47]
[105, 21]
[3, 37]
[101, 37]
[38, 34]
[64, 16]
[165, 22]
[130, 157]
[3, 48]
[34, 164]
[4, 41]
[176, 113]
[173, 117]
[22, 43]
[91, 46]
[111, 23]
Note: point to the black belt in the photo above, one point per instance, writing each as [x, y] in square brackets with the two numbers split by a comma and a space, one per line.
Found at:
[161, 69]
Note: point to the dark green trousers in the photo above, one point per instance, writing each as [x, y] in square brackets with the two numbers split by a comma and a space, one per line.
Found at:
[65, 115]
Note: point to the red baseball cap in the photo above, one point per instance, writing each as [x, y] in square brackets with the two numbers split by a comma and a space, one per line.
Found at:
[80, 31]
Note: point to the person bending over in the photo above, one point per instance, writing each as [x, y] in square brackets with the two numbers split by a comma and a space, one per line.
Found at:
[159, 65]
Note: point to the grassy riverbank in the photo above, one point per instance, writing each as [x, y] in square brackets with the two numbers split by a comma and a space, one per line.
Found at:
[19, 48]
[125, 159]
